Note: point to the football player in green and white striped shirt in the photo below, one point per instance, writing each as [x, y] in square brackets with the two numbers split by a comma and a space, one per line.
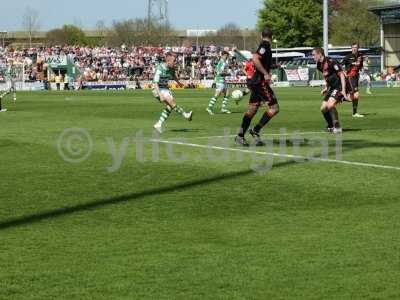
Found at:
[10, 75]
[221, 71]
[165, 72]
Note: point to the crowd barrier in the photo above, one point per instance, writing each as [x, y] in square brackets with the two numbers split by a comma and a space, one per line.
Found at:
[199, 84]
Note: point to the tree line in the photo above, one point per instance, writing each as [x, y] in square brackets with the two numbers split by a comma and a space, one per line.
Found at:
[295, 23]
[299, 22]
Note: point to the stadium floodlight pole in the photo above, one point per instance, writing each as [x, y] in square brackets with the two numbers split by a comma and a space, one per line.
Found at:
[166, 12]
[276, 51]
[326, 28]
[149, 15]
[245, 33]
[3, 35]
[382, 36]
[197, 39]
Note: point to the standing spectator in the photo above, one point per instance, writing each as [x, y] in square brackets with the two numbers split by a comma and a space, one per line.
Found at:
[66, 82]
[58, 81]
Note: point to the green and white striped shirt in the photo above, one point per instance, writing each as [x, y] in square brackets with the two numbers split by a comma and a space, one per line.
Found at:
[220, 71]
[163, 75]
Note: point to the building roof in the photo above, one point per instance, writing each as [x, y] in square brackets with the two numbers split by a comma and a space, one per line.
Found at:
[387, 6]
[389, 12]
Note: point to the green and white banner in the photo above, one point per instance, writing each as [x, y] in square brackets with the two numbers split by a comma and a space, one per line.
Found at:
[57, 61]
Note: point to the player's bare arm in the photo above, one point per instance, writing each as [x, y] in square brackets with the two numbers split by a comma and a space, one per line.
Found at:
[343, 82]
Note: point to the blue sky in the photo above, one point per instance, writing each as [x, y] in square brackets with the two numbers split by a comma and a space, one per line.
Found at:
[184, 14]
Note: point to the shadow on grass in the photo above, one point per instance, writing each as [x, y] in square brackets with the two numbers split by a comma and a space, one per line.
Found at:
[352, 129]
[369, 114]
[185, 130]
[362, 144]
[232, 113]
[97, 204]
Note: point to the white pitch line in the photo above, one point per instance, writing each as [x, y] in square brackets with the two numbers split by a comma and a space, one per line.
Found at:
[267, 134]
[287, 134]
[297, 157]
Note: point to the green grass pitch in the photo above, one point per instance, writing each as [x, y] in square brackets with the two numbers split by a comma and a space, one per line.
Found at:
[208, 227]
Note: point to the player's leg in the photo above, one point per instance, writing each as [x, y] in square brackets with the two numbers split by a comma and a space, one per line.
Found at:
[355, 96]
[224, 108]
[273, 109]
[355, 99]
[213, 100]
[1, 108]
[327, 116]
[254, 104]
[246, 121]
[14, 92]
[331, 108]
[2, 96]
[267, 116]
[368, 80]
[163, 118]
[168, 100]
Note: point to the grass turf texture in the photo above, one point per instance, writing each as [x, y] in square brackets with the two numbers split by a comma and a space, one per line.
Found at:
[200, 229]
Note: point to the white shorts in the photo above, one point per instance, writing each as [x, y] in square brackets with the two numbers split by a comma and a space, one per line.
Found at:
[221, 86]
[163, 94]
[365, 77]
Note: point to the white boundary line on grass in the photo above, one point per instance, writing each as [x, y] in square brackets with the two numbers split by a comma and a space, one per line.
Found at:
[286, 134]
[298, 157]
[269, 134]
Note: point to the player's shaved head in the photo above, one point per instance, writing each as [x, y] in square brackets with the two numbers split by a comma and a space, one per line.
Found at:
[267, 33]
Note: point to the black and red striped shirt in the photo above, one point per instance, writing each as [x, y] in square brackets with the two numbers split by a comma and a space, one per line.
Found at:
[264, 53]
[331, 70]
[354, 64]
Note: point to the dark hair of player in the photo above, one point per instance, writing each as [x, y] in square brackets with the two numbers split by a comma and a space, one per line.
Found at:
[267, 33]
[224, 53]
[355, 44]
[319, 50]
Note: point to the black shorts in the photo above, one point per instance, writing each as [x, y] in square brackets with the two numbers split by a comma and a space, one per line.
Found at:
[262, 93]
[352, 84]
[334, 93]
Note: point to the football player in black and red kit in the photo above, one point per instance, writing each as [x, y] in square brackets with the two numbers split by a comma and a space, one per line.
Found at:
[261, 92]
[335, 89]
[354, 63]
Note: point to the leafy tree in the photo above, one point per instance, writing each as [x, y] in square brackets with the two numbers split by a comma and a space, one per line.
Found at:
[353, 22]
[75, 35]
[295, 23]
[68, 34]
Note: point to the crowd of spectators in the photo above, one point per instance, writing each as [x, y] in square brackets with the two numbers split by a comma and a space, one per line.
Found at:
[99, 64]
[123, 63]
